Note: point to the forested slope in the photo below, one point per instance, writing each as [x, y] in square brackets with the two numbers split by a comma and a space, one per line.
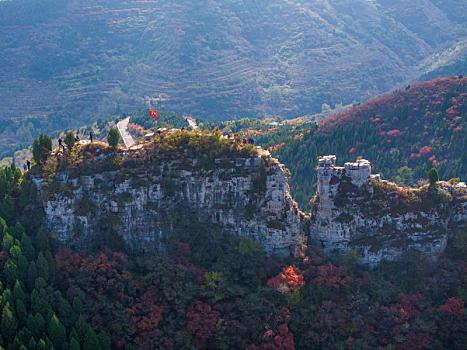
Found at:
[403, 134]
[208, 290]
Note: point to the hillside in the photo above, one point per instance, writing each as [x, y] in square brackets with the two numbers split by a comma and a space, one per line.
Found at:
[66, 62]
[404, 133]
[451, 62]
[209, 289]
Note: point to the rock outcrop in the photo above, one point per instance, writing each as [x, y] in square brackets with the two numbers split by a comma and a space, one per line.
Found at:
[144, 194]
[379, 220]
[149, 192]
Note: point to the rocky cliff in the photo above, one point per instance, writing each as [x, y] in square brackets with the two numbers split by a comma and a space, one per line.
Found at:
[151, 190]
[355, 211]
[146, 193]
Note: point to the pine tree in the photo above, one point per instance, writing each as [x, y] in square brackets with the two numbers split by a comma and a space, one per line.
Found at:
[9, 323]
[77, 305]
[42, 267]
[11, 272]
[18, 293]
[69, 140]
[56, 332]
[32, 343]
[8, 241]
[91, 342]
[28, 248]
[113, 138]
[42, 241]
[74, 344]
[104, 341]
[433, 177]
[18, 231]
[32, 275]
[41, 147]
[3, 227]
[21, 310]
[41, 345]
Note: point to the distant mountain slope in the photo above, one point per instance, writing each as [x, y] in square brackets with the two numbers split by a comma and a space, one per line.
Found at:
[404, 133]
[450, 62]
[66, 62]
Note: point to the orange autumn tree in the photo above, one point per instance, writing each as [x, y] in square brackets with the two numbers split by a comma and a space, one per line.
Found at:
[287, 281]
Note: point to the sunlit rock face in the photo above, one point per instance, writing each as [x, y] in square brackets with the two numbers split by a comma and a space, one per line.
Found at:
[143, 202]
[357, 212]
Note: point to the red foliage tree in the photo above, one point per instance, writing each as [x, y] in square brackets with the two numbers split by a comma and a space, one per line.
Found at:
[393, 132]
[332, 276]
[453, 306]
[202, 322]
[287, 281]
[282, 339]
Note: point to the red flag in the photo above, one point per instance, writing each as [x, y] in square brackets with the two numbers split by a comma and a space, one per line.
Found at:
[153, 113]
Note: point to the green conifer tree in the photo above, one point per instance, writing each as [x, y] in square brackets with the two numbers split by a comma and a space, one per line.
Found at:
[91, 341]
[56, 332]
[42, 267]
[9, 324]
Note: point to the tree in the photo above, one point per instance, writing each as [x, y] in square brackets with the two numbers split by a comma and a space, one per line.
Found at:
[74, 344]
[28, 248]
[113, 138]
[11, 272]
[56, 332]
[91, 342]
[32, 275]
[42, 267]
[41, 345]
[69, 140]
[433, 177]
[9, 323]
[41, 147]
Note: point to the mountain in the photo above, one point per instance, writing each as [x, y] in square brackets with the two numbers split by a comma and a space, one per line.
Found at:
[405, 133]
[66, 62]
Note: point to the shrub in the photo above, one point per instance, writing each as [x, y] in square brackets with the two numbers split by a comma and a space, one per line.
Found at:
[69, 140]
[41, 147]
[113, 138]
[433, 176]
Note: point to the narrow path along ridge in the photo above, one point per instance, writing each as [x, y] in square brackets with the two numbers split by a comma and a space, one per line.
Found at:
[122, 127]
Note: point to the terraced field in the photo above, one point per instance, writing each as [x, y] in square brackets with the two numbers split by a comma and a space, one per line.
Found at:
[67, 62]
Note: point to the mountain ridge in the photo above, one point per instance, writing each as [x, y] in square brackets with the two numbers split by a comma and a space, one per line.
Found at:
[224, 59]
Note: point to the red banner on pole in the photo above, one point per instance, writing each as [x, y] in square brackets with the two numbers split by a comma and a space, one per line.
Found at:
[153, 113]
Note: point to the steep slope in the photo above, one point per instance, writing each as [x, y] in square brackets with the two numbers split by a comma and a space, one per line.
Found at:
[66, 62]
[450, 62]
[404, 133]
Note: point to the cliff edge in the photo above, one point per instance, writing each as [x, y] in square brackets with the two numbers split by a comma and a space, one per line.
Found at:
[144, 193]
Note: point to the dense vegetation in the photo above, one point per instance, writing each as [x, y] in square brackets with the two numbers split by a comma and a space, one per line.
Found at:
[165, 120]
[404, 134]
[211, 291]
[66, 62]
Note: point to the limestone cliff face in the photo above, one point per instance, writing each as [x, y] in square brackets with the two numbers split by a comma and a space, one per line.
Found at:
[378, 220]
[147, 193]
[145, 199]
